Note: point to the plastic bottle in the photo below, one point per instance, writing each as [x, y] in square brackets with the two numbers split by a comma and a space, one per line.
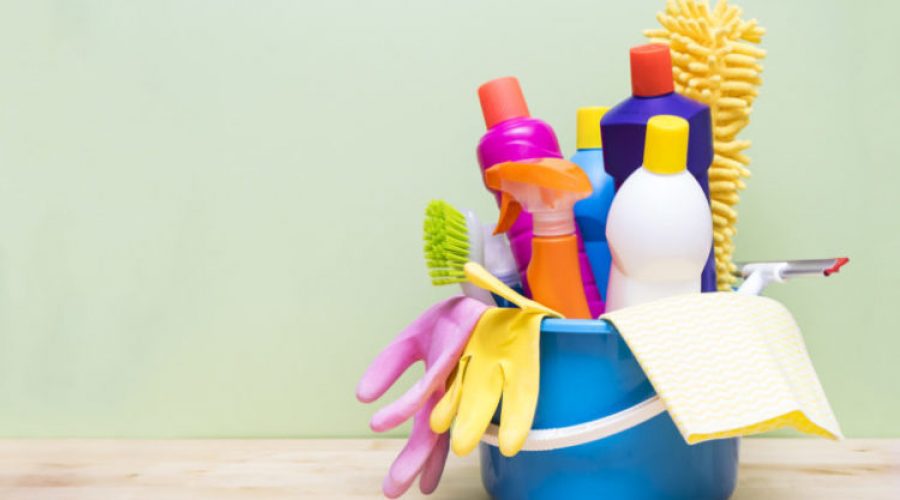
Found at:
[547, 188]
[624, 126]
[513, 135]
[659, 227]
[591, 212]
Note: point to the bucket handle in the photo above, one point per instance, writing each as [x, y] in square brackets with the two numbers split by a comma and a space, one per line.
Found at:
[594, 430]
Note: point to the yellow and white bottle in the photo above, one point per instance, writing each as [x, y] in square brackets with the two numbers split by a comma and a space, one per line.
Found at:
[659, 227]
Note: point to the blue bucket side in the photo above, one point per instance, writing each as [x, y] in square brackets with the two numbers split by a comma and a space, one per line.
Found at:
[588, 372]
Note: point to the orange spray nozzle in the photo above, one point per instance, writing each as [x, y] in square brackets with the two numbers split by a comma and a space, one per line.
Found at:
[545, 187]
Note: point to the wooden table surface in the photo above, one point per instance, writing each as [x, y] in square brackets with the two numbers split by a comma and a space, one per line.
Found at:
[277, 469]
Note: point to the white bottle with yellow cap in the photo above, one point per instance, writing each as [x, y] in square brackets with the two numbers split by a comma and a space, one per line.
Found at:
[659, 227]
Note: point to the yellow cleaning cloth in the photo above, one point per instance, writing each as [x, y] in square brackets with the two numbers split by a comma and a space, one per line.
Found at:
[501, 359]
[727, 364]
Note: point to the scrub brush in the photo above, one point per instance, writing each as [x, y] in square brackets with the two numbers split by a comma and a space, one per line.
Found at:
[452, 239]
[716, 61]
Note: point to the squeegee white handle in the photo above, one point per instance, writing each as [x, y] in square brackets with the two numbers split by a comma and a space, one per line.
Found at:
[758, 276]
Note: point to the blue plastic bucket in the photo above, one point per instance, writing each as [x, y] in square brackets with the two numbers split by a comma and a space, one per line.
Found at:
[587, 372]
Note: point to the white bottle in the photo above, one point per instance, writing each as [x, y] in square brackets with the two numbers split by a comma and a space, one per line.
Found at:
[660, 226]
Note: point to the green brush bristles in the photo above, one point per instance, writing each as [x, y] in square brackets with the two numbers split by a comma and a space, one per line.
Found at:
[446, 243]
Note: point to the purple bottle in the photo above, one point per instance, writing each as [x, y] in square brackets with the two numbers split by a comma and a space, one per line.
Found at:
[625, 126]
[513, 135]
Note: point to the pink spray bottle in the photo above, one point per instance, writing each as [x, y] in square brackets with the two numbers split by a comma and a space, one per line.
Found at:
[513, 135]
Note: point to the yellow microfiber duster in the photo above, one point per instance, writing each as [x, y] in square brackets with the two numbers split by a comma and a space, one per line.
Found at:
[715, 61]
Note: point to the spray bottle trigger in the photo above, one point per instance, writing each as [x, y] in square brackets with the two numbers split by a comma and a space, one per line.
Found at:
[509, 212]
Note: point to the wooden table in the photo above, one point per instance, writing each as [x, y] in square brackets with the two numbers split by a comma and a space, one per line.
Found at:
[276, 469]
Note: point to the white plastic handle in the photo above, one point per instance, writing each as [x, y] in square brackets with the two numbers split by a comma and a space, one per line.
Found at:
[758, 276]
[574, 435]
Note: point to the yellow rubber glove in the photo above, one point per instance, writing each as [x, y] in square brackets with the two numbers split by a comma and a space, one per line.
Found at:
[501, 359]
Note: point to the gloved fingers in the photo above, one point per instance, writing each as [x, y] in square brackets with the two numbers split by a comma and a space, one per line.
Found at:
[401, 353]
[443, 413]
[520, 395]
[482, 386]
[418, 447]
[400, 410]
[448, 333]
[521, 382]
[393, 489]
[387, 367]
[449, 336]
[407, 348]
[434, 467]
[411, 401]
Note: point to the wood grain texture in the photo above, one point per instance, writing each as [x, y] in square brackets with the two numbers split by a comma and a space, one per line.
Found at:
[277, 469]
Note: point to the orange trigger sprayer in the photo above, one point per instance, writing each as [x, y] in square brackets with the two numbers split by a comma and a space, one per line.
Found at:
[547, 188]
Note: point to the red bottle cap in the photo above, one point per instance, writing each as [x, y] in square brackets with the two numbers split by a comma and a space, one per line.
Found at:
[651, 70]
[502, 99]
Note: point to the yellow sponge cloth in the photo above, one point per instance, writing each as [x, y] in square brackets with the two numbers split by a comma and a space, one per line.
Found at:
[727, 364]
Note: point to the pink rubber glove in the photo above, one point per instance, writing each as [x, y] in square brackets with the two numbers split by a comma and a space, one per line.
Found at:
[437, 338]
[425, 452]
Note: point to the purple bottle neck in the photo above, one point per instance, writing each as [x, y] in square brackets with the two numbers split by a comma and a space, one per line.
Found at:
[657, 96]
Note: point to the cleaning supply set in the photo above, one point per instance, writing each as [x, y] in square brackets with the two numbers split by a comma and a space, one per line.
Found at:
[583, 361]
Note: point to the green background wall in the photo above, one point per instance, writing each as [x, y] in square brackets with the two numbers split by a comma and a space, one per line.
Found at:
[210, 211]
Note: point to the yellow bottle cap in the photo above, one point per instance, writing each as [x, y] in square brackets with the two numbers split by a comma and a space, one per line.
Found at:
[665, 150]
[588, 127]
